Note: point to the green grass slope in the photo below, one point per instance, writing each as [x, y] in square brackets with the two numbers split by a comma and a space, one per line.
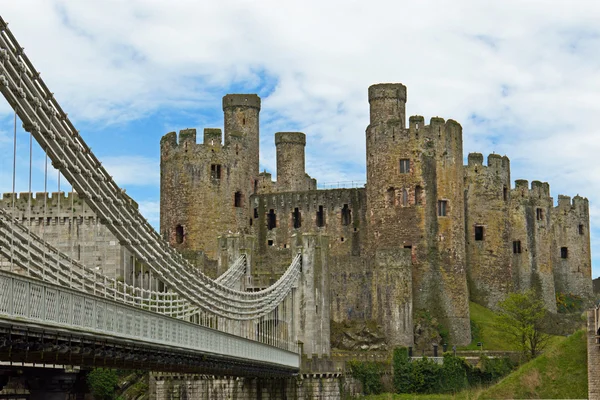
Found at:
[486, 320]
[559, 373]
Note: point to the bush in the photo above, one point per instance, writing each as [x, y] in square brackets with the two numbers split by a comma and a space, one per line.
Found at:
[369, 374]
[402, 367]
[454, 375]
[103, 383]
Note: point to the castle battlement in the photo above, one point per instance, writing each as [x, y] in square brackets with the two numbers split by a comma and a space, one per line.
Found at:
[578, 204]
[538, 189]
[495, 163]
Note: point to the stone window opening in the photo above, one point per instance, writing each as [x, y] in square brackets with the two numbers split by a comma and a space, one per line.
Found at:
[516, 247]
[243, 121]
[505, 193]
[271, 219]
[270, 242]
[404, 198]
[390, 196]
[297, 218]
[321, 217]
[179, 234]
[408, 246]
[479, 232]
[418, 195]
[564, 252]
[250, 219]
[442, 208]
[255, 212]
[215, 172]
[238, 199]
[346, 215]
[404, 166]
[581, 229]
[342, 239]
[539, 214]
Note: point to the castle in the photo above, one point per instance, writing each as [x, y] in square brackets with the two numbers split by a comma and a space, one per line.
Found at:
[425, 234]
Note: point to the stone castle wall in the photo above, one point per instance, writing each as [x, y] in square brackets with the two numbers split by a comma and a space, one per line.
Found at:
[68, 224]
[415, 201]
[487, 229]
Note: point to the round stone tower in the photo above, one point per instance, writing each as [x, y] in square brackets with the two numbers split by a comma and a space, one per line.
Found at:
[415, 205]
[205, 188]
[291, 174]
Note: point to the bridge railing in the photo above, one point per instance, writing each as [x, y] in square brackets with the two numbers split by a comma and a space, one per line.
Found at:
[25, 299]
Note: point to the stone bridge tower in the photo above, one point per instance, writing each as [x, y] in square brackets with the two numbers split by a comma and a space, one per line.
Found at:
[415, 205]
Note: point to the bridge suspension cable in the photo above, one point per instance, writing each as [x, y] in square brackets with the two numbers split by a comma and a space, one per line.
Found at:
[43, 117]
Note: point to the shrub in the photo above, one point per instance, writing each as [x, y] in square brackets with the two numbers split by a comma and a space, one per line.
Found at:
[369, 374]
[102, 383]
[402, 367]
[568, 303]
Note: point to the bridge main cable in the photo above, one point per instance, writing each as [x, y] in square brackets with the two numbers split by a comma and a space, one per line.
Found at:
[43, 117]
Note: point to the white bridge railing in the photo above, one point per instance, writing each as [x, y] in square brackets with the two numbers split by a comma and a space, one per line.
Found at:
[28, 300]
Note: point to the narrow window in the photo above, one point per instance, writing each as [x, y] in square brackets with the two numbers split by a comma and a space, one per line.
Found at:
[539, 214]
[581, 229]
[564, 252]
[255, 212]
[505, 193]
[391, 195]
[404, 198]
[250, 219]
[179, 234]
[297, 218]
[346, 215]
[418, 195]
[408, 247]
[404, 165]
[237, 199]
[215, 172]
[321, 217]
[478, 232]
[442, 208]
[271, 219]
[517, 247]
[270, 242]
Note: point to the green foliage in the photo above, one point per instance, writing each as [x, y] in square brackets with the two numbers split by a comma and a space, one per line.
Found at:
[453, 376]
[522, 319]
[475, 331]
[369, 374]
[568, 303]
[425, 376]
[103, 383]
[402, 366]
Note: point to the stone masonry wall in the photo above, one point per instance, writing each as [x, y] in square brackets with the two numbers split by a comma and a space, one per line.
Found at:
[489, 250]
[205, 188]
[203, 387]
[572, 268]
[411, 173]
[68, 224]
[530, 212]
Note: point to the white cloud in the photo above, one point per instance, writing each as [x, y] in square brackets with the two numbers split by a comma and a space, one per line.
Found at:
[521, 77]
[132, 170]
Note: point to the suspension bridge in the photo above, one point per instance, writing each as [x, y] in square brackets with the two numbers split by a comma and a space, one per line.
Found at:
[54, 310]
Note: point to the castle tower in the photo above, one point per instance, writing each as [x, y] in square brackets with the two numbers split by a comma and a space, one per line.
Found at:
[531, 230]
[571, 258]
[415, 202]
[205, 188]
[488, 236]
[291, 174]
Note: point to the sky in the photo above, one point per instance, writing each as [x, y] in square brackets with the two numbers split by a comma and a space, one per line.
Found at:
[522, 78]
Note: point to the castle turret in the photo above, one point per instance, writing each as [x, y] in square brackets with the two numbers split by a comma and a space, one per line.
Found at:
[388, 102]
[241, 119]
[291, 174]
[415, 176]
[205, 188]
[488, 235]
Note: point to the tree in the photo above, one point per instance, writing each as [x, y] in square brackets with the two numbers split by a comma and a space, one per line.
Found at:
[103, 383]
[522, 318]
